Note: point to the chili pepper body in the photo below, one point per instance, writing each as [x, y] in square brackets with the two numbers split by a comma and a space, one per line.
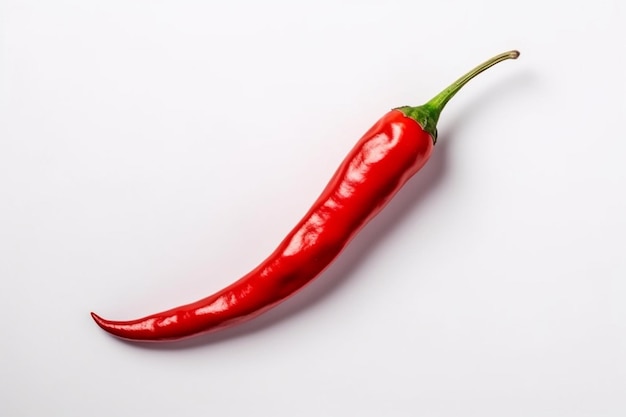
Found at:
[394, 149]
[381, 162]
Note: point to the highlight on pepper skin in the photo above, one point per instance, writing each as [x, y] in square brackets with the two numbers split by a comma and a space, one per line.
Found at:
[394, 149]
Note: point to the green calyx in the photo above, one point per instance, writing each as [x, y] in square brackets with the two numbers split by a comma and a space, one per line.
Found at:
[427, 115]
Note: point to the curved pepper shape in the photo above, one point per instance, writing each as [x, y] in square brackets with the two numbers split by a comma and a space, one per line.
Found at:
[381, 162]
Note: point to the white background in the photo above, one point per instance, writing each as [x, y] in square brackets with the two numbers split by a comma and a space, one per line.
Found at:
[153, 151]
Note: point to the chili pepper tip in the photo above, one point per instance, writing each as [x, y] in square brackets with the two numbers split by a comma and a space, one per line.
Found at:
[105, 324]
[97, 318]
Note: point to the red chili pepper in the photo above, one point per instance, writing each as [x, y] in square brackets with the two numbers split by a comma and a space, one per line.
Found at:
[394, 149]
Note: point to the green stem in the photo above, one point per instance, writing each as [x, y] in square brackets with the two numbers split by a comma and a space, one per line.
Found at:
[427, 115]
[441, 99]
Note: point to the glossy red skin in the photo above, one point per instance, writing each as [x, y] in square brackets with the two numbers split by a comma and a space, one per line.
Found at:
[392, 151]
